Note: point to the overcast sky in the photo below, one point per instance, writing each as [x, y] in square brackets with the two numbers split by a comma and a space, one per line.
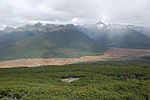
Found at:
[21, 12]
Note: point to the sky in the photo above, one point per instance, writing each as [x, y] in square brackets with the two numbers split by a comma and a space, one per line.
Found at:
[16, 13]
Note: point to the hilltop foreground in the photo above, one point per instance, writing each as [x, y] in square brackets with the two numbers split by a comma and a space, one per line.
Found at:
[128, 80]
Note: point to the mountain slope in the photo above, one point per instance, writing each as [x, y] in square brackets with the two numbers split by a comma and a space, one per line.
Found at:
[122, 36]
[60, 43]
[130, 39]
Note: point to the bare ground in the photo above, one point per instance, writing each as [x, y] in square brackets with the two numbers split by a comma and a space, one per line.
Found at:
[114, 54]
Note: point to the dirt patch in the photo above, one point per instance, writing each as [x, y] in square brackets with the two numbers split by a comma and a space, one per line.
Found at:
[69, 80]
[114, 54]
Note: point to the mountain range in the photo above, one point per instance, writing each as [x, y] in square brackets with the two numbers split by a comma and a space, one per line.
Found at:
[53, 40]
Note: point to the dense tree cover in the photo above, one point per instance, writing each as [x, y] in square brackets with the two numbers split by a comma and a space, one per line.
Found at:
[98, 81]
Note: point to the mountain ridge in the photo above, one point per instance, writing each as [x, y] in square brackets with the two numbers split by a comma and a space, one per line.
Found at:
[54, 40]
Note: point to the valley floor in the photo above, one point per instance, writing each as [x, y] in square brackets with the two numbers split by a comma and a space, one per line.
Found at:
[116, 54]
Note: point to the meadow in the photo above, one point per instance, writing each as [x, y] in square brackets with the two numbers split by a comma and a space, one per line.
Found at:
[122, 80]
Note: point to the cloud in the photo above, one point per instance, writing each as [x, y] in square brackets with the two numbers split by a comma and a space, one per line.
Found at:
[20, 12]
[75, 20]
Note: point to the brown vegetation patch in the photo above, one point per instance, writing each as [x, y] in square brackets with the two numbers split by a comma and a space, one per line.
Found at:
[114, 54]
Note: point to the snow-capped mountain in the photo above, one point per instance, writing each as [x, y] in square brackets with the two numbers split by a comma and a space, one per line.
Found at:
[117, 35]
[53, 40]
[39, 27]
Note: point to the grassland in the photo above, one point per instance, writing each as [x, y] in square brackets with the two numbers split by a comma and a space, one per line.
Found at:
[128, 80]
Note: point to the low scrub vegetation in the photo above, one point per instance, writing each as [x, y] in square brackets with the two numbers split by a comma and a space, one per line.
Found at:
[128, 80]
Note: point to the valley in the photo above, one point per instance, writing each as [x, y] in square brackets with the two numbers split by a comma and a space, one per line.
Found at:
[115, 54]
[74, 50]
